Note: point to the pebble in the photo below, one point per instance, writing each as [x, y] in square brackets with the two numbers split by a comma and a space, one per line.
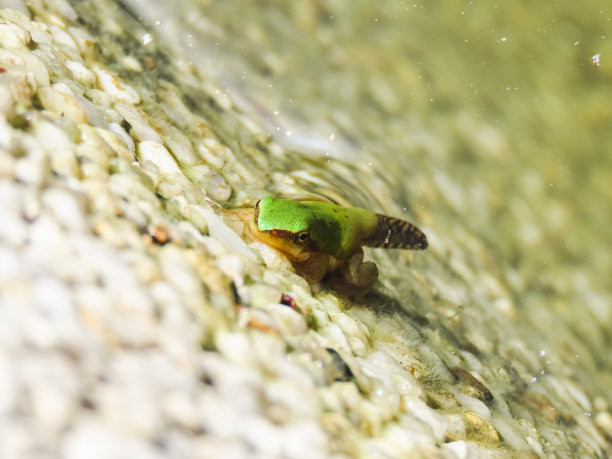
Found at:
[304, 439]
[12, 274]
[8, 383]
[334, 334]
[603, 420]
[125, 400]
[350, 326]
[218, 189]
[179, 272]
[61, 103]
[16, 5]
[160, 156]
[95, 440]
[67, 208]
[473, 404]
[93, 147]
[219, 230]
[13, 36]
[62, 38]
[53, 389]
[65, 9]
[34, 167]
[290, 322]
[84, 40]
[114, 87]
[54, 322]
[180, 410]
[213, 152]
[6, 105]
[37, 69]
[16, 438]
[509, 433]
[14, 229]
[81, 73]
[180, 146]
[59, 148]
[139, 128]
[479, 430]
[119, 134]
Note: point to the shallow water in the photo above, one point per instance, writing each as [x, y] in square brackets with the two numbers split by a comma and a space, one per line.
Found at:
[486, 124]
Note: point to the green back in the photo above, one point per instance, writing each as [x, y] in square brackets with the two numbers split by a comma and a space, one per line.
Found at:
[334, 229]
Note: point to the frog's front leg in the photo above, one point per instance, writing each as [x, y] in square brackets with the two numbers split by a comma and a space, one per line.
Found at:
[314, 268]
[354, 277]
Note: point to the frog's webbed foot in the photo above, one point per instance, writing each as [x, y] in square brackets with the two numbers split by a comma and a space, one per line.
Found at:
[313, 269]
[355, 277]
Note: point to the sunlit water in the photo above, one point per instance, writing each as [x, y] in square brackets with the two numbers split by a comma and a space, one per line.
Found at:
[486, 124]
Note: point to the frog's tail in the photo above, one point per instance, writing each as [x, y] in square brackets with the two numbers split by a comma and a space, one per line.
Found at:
[393, 233]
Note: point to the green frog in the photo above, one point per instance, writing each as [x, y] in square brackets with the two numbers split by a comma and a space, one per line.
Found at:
[323, 239]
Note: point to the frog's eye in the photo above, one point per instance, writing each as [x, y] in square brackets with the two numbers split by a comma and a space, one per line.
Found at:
[256, 212]
[301, 237]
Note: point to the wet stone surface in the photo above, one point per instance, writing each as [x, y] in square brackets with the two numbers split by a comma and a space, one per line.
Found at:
[135, 322]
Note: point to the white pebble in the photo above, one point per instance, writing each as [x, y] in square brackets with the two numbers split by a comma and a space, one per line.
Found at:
[115, 87]
[37, 69]
[93, 147]
[180, 147]
[305, 439]
[16, 5]
[66, 207]
[15, 438]
[13, 36]
[53, 389]
[213, 152]
[263, 436]
[349, 326]
[141, 130]
[55, 322]
[120, 134]
[220, 231]
[63, 8]
[459, 448]
[59, 147]
[179, 272]
[160, 156]
[130, 62]
[8, 384]
[14, 230]
[61, 103]
[432, 418]
[81, 73]
[334, 333]
[6, 105]
[506, 428]
[94, 440]
[472, 404]
[236, 347]
[180, 409]
[83, 38]
[12, 60]
[218, 189]
[291, 322]
[62, 38]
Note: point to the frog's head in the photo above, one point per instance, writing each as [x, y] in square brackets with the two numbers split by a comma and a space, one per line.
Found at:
[296, 229]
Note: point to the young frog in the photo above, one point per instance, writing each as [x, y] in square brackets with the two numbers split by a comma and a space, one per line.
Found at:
[323, 239]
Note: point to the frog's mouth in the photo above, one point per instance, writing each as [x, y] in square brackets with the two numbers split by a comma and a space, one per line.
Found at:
[284, 242]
